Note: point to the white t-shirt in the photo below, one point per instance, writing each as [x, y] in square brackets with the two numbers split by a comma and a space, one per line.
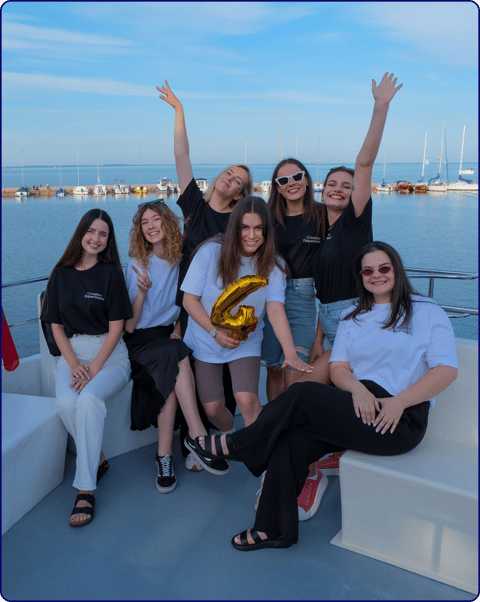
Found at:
[396, 360]
[159, 308]
[201, 280]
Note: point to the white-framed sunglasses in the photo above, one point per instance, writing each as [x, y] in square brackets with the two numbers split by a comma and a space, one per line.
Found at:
[296, 177]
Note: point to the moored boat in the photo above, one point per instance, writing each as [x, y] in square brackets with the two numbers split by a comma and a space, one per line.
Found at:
[266, 186]
[23, 191]
[202, 184]
[80, 191]
[100, 190]
[61, 192]
[120, 187]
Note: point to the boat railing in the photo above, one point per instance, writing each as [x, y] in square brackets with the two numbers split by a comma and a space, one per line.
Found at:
[431, 275]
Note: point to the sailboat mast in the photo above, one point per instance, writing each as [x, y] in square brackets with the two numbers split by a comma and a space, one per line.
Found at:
[78, 171]
[245, 162]
[424, 154]
[441, 152]
[461, 156]
[22, 169]
[98, 161]
[281, 140]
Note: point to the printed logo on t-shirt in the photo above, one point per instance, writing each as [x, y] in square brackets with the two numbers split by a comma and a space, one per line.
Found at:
[314, 239]
[97, 296]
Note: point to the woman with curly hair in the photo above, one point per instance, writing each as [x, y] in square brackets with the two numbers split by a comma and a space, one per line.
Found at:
[159, 358]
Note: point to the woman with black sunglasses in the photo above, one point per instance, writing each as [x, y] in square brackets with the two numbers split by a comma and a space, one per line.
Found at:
[394, 351]
[160, 359]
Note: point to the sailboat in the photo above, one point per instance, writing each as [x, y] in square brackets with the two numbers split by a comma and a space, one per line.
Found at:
[435, 184]
[463, 183]
[23, 191]
[79, 190]
[99, 189]
[384, 187]
[141, 190]
[422, 186]
[61, 191]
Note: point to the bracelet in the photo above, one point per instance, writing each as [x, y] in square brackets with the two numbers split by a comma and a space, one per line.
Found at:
[174, 334]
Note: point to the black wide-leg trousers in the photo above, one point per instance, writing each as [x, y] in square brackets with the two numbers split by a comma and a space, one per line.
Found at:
[303, 424]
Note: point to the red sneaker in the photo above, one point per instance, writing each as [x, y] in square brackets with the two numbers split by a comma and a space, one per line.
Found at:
[309, 499]
[330, 465]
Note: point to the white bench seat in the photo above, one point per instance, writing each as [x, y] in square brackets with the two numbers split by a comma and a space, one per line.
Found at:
[419, 510]
[34, 443]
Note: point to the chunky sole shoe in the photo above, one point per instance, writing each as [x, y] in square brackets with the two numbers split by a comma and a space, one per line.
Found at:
[209, 454]
[216, 466]
[330, 466]
[310, 497]
[87, 497]
[192, 463]
[259, 544]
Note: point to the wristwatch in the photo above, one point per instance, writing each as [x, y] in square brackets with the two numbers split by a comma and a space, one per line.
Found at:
[213, 333]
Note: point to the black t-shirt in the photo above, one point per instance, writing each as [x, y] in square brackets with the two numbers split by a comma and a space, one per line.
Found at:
[332, 265]
[85, 301]
[202, 222]
[297, 242]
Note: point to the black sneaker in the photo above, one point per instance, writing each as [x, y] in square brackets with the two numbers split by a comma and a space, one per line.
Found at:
[166, 479]
[216, 466]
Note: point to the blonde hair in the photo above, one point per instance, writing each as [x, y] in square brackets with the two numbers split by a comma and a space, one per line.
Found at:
[246, 190]
[141, 250]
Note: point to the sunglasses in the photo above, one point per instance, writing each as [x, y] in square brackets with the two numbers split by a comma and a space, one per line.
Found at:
[384, 269]
[157, 202]
[296, 177]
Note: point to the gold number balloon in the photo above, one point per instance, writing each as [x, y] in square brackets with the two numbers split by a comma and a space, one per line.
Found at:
[244, 321]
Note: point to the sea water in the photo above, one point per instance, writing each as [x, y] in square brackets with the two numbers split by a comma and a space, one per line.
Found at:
[434, 231]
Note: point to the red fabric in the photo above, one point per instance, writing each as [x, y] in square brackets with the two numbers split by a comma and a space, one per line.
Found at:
[9, 352]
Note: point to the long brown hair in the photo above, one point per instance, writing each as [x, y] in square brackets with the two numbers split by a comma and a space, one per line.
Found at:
[401, 302]
[323, 208]
[74, 251]
[232, 247]
[142, 250]
[278, 205]
[246, 190]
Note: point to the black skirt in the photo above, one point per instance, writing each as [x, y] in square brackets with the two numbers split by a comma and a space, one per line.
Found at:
[154, 358]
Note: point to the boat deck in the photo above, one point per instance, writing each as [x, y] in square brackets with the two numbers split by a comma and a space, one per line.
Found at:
[144, 545]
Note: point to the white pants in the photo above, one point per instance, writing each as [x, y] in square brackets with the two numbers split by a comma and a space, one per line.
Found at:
[83, 414]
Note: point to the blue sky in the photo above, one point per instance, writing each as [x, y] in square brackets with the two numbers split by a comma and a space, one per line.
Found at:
[80, 74]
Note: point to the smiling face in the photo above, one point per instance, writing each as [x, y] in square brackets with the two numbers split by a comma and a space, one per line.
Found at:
[378, 283]
[96, 238]
[252, 233]
[338, 190]
[151, 224]
[231, 182]
[292, 191]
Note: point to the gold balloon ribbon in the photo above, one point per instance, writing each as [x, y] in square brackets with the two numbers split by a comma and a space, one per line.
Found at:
[244, 321]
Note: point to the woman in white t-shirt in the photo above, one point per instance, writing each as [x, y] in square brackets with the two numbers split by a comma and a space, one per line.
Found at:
[246, 249]
[160, 364]
[393, 353]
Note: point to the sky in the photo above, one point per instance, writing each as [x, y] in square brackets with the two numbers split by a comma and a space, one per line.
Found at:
[258, 80]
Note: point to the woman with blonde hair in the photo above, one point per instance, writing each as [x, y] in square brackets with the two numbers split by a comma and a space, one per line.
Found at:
[160, 365]
[205, 215]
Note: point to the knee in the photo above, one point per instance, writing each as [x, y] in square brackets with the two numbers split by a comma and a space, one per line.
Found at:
[248, 402]
[213, 409]
[89, 404]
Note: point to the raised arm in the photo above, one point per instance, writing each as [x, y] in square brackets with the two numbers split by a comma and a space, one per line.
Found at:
[181, 149]
[362, 182]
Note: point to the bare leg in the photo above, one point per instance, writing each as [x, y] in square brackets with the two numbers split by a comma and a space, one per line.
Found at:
[185, 391]
[249, 405]
[320, 374]
[275, 383]
[166, 421]
[218, 415]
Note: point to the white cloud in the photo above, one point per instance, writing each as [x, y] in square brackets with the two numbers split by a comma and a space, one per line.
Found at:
[17, 36]
[23, 81]
[442, 32]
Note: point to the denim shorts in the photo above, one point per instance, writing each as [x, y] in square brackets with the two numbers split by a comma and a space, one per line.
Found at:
[301, 312]
[329, 315]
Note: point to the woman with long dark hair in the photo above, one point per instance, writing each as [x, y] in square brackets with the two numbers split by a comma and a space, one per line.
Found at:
[247, 250]
[298, 232]
[393, 353]
[87, 303]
